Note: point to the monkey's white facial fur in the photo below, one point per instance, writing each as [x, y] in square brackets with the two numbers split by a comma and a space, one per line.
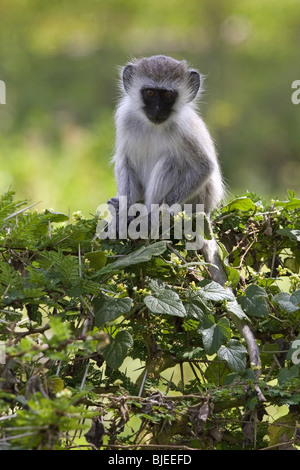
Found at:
[157, 86]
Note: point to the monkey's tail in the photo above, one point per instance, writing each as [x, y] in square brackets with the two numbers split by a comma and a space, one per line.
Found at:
[211, 254]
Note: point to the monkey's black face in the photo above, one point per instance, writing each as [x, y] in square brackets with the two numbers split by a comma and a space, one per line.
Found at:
[158, 103]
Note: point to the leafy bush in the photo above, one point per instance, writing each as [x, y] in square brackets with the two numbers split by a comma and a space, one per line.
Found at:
[78, 316]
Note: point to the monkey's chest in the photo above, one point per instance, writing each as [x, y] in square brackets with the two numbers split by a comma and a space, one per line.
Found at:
[146, 154]
[145, 165]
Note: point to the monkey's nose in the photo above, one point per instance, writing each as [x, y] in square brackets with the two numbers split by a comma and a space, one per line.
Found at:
[160, 115]
[156, 114]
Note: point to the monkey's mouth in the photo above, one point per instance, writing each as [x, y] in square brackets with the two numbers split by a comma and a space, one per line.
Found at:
[157, 119]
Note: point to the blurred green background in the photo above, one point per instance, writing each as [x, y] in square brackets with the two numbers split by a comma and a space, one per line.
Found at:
[59, 62]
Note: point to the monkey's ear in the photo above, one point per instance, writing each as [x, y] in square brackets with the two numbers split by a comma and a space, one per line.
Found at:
[193, 83]
[127, 76]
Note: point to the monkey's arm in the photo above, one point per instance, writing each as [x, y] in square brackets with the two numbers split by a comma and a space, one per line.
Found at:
[127, 181]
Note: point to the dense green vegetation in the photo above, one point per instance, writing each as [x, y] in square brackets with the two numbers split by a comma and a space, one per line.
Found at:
[110, 344]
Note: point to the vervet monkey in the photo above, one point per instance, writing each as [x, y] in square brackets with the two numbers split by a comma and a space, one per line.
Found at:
[164, 152]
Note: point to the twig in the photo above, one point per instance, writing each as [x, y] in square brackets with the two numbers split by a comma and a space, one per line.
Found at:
[79, 260]
[87, 306]
[242, 240]
[244, 254]
[84, 375]
[194, 372]
[2, 418]
[153, 446]
[143, 383]
[273, 257]
[169, 383]
[279, 445]
[31, 331]
[11, 216]
[176, 252]
[182, 377]
[58, 368]
[255, 428]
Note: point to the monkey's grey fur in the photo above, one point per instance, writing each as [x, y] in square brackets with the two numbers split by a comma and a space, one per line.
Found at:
[171, 162]
[175, 161]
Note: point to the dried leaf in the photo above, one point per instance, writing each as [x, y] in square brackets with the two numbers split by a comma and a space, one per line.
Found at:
[9, 381]
[95, 434]
[198, 416]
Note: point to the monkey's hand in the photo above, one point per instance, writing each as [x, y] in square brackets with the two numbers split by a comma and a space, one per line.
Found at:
[114, 202]
[114, 208]
[113, 226]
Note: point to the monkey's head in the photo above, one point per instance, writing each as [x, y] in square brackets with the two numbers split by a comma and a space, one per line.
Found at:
[160, 85]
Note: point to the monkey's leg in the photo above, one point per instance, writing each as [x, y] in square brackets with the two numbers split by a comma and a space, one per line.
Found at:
[211, 255]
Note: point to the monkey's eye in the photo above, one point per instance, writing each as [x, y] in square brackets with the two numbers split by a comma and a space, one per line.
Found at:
[169, 95]
[149, 92]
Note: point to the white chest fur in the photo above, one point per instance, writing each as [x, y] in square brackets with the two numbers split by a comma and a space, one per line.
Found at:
[144, 144]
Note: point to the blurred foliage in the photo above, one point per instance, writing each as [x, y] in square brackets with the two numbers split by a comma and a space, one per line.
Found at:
[59, 62]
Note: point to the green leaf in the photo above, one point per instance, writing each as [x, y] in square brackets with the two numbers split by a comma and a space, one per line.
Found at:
[286, 302]
[241, 204]
[192, 355]
[194, 307]
[286, 232]
[55, 216]
[295, 297]
[292, 264]
[235, 308]
[287, 374]
[267, 351]
[214, 336]
[142, 255]
[235, 376]
[166, 302]
[254, 290]
[97, 259]
[108, 308]
[216, 373]
[157, 285]
[115, 353]
[234, 354]
[60, 330]
[292, 204]
[211, 290]
[232, 275]
[254, 302]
